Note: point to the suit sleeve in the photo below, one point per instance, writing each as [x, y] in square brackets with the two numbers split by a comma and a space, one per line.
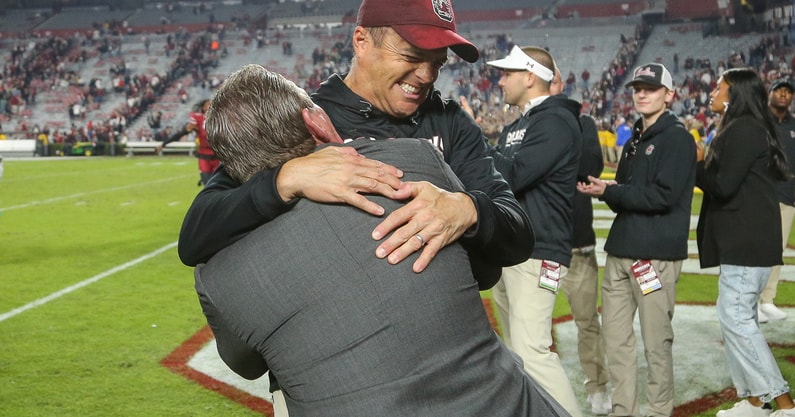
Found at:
[503, 235]
[239, 356]
[674, 173]
[226, 211]
[738, 150]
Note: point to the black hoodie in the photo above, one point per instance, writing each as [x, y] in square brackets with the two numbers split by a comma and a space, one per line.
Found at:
[226, 211]
[539, 155]
[655, 176]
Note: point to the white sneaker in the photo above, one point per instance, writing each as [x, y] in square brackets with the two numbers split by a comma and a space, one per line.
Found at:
[772, 312]
[760, 315]
[744, 409]
[790, 412]
[600, 403]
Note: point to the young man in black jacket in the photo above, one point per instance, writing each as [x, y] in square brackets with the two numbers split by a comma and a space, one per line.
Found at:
[780, 101]
[538, 155]
[651, 196]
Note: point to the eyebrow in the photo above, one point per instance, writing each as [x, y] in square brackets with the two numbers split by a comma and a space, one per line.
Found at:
[413, 52]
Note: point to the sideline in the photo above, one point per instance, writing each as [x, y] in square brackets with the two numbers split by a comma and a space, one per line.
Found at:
[84, 283]
[66, 197]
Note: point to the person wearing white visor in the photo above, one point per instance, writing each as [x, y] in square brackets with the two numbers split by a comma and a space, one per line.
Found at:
[538, 154]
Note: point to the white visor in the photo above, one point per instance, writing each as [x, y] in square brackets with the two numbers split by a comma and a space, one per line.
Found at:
[518, 60]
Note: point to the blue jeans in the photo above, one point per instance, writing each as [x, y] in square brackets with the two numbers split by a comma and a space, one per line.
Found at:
[753, 368]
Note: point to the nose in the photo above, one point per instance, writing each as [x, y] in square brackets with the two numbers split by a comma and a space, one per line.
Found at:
[426, 72]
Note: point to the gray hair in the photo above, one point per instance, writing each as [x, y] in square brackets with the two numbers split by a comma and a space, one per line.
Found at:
[254, 122]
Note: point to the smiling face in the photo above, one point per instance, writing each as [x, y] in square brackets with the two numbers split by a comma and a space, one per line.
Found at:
[719, 97]
[651, 100]
[390, 73]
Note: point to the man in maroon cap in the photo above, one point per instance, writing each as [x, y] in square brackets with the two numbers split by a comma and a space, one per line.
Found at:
[400, 47]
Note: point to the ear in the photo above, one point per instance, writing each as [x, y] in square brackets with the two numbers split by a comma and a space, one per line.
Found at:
[530, 79]
[360, 39]
[319, 125]
[669, 96]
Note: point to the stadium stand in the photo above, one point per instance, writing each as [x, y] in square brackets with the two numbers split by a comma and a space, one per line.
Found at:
[189, 47]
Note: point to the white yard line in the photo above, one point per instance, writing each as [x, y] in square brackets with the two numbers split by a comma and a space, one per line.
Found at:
[84, 283]
[104, 190]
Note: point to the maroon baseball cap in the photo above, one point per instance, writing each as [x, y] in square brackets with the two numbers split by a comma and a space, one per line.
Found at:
[426, 24]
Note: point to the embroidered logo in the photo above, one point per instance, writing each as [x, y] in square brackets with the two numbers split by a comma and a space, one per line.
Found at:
[649, 150]
[443, 9]
[645, 71]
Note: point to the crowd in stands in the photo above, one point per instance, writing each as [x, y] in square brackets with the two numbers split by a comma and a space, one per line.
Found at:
[39, 65]
[55, 63]
[608, 101]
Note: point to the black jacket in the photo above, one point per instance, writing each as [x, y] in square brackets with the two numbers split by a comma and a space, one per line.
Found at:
[591, 163]
[785, 129]
[539, 155]
[225, 211]
[655, 176]
[740, 223]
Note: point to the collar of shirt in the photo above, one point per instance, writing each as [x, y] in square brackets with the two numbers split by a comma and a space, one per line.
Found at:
[533, 103]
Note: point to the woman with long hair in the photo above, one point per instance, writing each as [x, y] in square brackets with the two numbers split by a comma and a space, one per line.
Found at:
[739, 229]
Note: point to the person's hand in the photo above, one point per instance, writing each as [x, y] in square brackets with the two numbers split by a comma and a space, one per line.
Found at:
[699, 152]
[433, 219]
[595, 187]
[338, 174]
[466, 107]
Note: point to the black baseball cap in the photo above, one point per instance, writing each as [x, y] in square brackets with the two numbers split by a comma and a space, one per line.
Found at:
[652, 74]
[781, 82]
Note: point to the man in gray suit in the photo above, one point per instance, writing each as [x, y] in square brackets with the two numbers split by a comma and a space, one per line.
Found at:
[347, 334]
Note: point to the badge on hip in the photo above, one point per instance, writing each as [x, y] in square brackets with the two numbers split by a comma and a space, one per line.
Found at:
[646, 276]
[549, 278]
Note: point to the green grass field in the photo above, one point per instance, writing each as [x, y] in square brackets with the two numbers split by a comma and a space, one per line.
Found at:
[91, 241]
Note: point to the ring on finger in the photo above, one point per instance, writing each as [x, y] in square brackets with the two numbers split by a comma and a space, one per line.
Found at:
[422, 241]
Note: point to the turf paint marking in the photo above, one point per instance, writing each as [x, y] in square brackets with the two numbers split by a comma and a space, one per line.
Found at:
[77, 195]
[84, 283]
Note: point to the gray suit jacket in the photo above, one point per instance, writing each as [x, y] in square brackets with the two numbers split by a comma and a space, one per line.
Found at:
[347, 334]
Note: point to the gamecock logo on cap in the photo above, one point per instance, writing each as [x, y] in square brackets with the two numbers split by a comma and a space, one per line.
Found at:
[443, 9]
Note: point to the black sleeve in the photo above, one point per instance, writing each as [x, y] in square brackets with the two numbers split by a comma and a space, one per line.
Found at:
[739, 148]
[226, 211]
[676, 168]
[546, 143]
[176, 136]
[591, 160]
[503, 235]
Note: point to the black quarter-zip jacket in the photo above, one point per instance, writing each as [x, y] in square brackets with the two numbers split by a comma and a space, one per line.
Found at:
[225, 211]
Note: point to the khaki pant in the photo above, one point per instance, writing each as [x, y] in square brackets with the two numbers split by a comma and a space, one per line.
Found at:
[279, 405]
[581, 286]
[526, 313]
[787, 215]
[621, 298]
